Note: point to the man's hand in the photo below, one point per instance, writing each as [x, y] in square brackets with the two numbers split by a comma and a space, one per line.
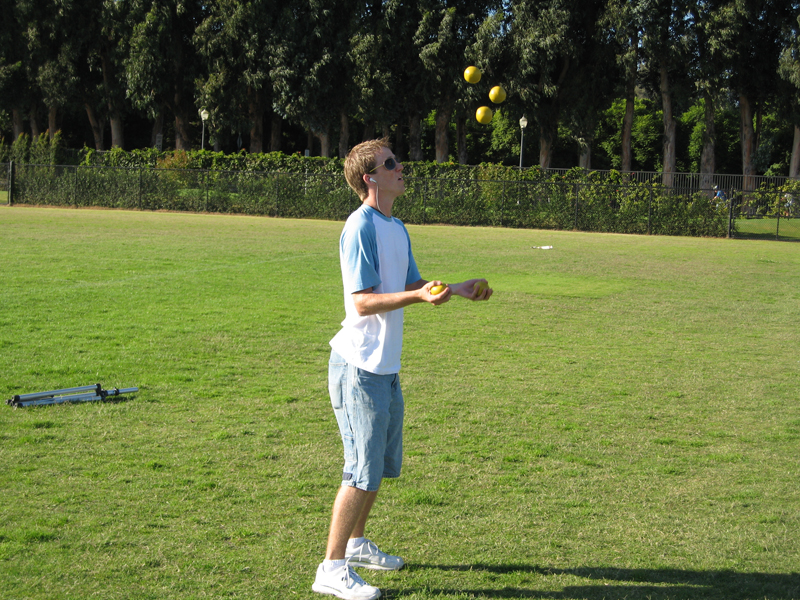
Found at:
[473, 289]
[435, 299]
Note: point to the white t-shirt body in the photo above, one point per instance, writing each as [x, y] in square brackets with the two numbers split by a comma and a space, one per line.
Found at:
[375, 252]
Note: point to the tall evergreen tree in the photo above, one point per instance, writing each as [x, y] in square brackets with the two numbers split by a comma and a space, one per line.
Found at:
[311, 70]
[237, 40]
[789, 70]
[162, 64]
[753, 33]
[446, 30]
[665, 46]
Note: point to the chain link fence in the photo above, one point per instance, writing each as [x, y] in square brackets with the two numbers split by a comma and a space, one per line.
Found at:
[5, 175]
[628, 206]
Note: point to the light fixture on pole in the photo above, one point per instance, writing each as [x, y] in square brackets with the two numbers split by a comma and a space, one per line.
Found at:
[523, 123]
[203, 117]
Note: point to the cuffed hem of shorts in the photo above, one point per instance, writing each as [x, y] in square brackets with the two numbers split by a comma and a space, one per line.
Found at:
[352, 483]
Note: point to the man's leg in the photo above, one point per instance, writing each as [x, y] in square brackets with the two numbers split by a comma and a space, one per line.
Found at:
[350, 513]
[361, 524]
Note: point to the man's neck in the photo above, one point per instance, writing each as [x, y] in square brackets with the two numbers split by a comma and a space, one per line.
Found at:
[382, 206]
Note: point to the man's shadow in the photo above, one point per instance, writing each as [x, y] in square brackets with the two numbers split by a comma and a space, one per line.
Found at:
[618, 584]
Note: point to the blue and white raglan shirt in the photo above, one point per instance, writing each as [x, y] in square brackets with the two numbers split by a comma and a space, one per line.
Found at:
[375, 252]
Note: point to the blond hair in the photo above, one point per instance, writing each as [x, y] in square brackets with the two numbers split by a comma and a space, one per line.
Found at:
[360, 161]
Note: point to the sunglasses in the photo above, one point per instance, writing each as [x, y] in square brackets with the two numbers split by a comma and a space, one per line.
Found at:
[390, 164]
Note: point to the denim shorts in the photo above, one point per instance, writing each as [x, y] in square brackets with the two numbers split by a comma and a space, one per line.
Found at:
[369, 411]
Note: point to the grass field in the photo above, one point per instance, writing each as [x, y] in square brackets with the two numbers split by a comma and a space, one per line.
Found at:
[621, 420]
[769, 229]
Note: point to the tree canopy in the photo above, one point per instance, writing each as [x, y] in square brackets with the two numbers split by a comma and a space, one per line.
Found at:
[583, 72]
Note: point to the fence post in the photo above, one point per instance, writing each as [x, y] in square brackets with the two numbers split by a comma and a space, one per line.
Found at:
[75, 189]
[11, 170]
[425, 203]
[650, 210]
[503, 203]
[577, 196]
[139, 199]
[730, 216]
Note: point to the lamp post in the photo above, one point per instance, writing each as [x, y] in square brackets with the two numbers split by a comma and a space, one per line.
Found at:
[203, 117]
[523, 123]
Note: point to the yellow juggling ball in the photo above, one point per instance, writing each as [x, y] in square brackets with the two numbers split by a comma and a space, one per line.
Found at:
[472, 74]
[497, 94]
[484, 115]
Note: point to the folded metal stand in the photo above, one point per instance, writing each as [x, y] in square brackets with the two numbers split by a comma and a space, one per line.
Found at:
[86, 393]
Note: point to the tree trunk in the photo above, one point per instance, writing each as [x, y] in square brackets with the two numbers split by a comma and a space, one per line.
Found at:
[627, 120]
[585, 156]
[794, 165]
[114, 114]
[670, 129]
[309, 142]
[627, 136]
[748, 139]
[97, 127]
[442, 121]
[183, 139]
[117, 130]
[344, 134]
[414, 137]
[275, 133]
[707, 165]
[52, 126]
[256, 121]
[369, 131]
[324, 137]
[33, 119]
[17, 125]
[545, 149]
[461, 139]
[399, 148]
[158, 129]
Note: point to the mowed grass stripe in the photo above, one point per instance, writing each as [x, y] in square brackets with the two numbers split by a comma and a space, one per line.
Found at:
[620, 420]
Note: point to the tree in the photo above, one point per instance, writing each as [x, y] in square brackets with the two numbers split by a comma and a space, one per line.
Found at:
[311, 70]
[14, 86]
[52, 51]
[551, 40]
[789, 69]
[665, 50]
[754, 33]
[237, 40]
[162, 64]
[625, 21]
[445, 32]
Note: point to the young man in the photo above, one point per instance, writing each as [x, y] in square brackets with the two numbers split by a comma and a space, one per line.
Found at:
[380, 278]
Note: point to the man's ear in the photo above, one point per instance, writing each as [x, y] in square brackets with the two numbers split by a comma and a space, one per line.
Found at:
[368, 178]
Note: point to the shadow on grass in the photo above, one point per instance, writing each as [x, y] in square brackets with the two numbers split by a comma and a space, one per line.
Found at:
[616, 584]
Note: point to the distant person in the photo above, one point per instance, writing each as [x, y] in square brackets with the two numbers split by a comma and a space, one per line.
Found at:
[380, 279]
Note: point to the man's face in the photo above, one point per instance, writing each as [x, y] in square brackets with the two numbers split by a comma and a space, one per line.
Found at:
[389, 181]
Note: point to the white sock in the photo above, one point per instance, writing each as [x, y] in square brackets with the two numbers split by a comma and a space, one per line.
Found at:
[355, 542]
[332, 565]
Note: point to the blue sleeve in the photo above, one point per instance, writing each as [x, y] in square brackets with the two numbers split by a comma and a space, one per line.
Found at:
[358, 253]
[413, 275]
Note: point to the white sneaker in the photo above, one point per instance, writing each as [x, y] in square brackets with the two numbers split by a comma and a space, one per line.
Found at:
[344, 583]
[368, 555]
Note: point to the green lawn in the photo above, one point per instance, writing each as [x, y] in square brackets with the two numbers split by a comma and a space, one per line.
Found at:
[619, 421]
[769, 229]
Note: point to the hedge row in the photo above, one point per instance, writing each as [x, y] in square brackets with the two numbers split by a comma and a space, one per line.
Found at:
[587, 206]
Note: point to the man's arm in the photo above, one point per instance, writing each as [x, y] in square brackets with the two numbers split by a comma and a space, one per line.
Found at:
[369, 303]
